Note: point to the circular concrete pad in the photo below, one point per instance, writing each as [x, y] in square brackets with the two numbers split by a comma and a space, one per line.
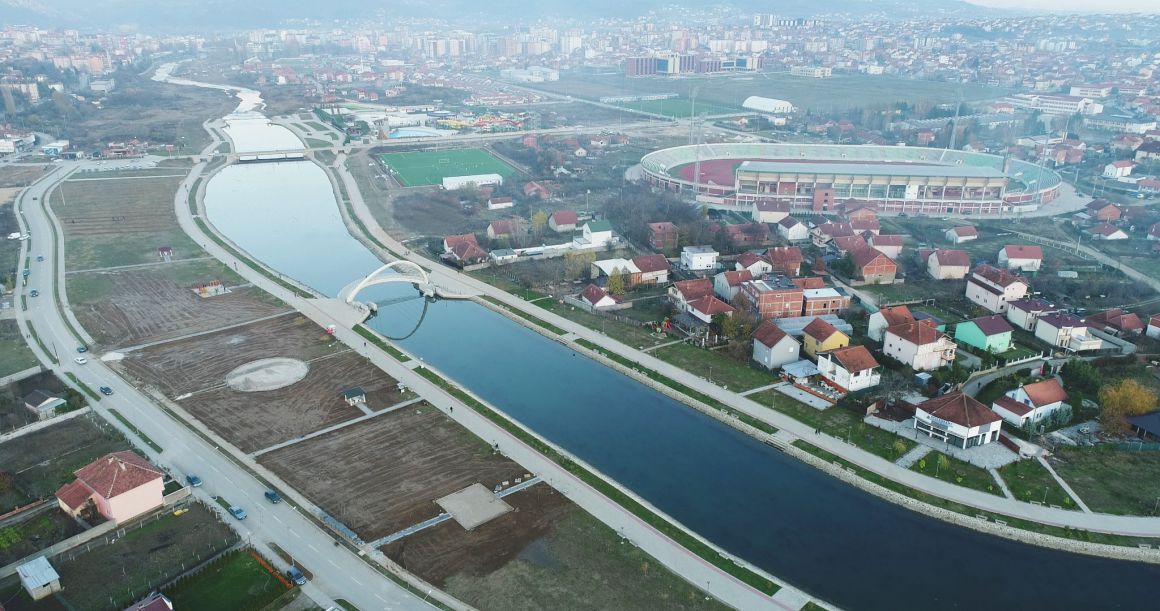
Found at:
[267, 374]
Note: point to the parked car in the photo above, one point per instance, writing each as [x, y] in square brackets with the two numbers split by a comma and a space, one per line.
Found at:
[82, 349]
[238, 512]
[105, 390]
[193, 480]
[273, 497]
[40, 257]
[80, 360]
[296, 576]
[34, 293]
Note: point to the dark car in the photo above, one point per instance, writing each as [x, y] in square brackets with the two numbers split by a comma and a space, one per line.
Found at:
[34, 293]
[82, 349]
[193, 480]
[105, 390]
[296, 576]
[273, 497]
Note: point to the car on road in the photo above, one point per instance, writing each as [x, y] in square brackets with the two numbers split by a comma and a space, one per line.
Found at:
[82, 349]
[238, 512]
[80, 360]
[273, 497]
[34, 293]
[105, 390]
[40, 257]
[293, 574]
[193, 480]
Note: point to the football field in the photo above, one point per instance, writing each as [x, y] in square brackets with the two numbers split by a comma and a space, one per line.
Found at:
[431, 167]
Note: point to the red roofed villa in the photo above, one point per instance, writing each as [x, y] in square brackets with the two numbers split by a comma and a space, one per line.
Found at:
[121, 486]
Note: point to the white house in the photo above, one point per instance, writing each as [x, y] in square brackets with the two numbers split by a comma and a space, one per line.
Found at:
[1066, 331]
[1031, 402]
[1153, 330]
[885, 318]
[773, 347]
[726, 285]
[793, 230]
[920, 345]
[596, 234]
[499, 202]
[1024, 313]
[1119, 169]
[947, 264]
[597, 297]
[755, 264]
[705, 308]
[1021, 257]
[958, 235]
[849, 369]
[889, 245]
[957, 419]
[699, 258]
[995, 288]
[1107, 231]
[769, 212]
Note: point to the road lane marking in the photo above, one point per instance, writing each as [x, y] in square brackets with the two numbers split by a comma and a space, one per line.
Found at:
[357, 581]
[295, 534]
[313, 548]
[333, 563]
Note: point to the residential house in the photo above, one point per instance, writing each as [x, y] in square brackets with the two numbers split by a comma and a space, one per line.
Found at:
[563, 221]
[793, 230]
[663, 236]
[873, 267]
[1148, 151]
[1107, 231]
[887, 317]
[1030, 403]
[683, 292]
[155, 601]
[449, 242]
[1066, 331]
[537, 190]
[121, 486]
[705, 308]
[43, 404]
[859, 211]
[699, 258]
[1118, 169]
[820, 336]
[755, 264]
[919, 345]
[824, 233]
[749, 234]
[995, 288]
[1104, 211]
[597, 234]
[958, 235]
[958, 419]
[597, 297]
[505, 228]
[865, 226]
[625, 267]
[822, 301]
[849, 369]
[1021, 257]
[769, 212]
[1153, 329]
[773, 297]
[1116, 322]
[809, 282]
[948, 264]
[988, 333]
[499, 202]
[785, 260]
[654, 269]
[502, 256]
[889, 245]
[354, 396]
[727, 284]
[847, 244]
[1024, 313]
[463, 249]
[773, 347]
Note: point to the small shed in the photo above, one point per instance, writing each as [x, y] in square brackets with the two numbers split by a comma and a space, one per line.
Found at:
[38, 578]
[354, 396]
[43, 404]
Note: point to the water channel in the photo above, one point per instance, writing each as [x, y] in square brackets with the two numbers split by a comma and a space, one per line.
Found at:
[830, 539]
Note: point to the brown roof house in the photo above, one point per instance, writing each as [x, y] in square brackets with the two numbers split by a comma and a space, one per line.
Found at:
[1031, 403]
[873, 267]
[121, 485]
[1116, 321]
[957, 419]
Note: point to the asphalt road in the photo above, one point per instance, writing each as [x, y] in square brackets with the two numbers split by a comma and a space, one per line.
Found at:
[338, 573]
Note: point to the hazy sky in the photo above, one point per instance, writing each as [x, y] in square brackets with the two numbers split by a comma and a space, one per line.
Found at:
[1089, 6]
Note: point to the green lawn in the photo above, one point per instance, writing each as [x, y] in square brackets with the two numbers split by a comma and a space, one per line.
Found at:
[431, 167]
[715, 367]
[838, 422]
[632, 335]
[959, 472]
[315, 143]
[1030, 481]
[15, 355]
[1111, 480]
[237, 581]
[679, 108]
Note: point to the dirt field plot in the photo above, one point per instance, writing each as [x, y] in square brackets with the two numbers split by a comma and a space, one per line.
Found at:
[33, 466]
[133, 306]
[256, 420]
[119, 221]
[383, 475]
[112, 576]
[19, 175]
[28, 536]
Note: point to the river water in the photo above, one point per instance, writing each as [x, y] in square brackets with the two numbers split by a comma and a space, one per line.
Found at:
[830, 539]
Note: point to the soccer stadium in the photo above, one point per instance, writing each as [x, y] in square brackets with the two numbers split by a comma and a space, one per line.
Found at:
[818, 177]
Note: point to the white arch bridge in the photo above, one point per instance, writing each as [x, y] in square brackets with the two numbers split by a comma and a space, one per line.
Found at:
[395, 272]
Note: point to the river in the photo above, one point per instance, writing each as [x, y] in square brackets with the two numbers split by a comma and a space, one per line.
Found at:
[827, 538]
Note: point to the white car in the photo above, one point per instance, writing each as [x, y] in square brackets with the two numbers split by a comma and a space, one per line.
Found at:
[80, 360]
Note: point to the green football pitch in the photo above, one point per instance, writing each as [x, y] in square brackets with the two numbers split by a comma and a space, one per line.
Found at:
[431, 167]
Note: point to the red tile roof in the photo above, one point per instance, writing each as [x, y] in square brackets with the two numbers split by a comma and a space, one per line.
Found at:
[565, 217]
[866, 256]
[850, 243]
[694, 289]
[861, 225]
[886, 240]
[785, 257]
[1021, 251]
[1013, 406]
[854, 358]
[711, 306]
[769, 334]
[952, 258]
[735, 278]
[966, 231]
[651, 263]
[836, 230]
[896, 315]
[74, 494]
[453, 240]
[1124, 322]
[1045, 392]
[748, 259]
[992, 325]
[820, 330]
[919, 332]
[960, 409]
[467, 251]
[999, 277]
[809, 282]
[117, 473]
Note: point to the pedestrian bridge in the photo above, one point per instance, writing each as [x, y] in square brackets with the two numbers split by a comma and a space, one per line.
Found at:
[393, 272]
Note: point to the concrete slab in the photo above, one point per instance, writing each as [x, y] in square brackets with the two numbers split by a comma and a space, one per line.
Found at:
[267, 374]
[474, 505]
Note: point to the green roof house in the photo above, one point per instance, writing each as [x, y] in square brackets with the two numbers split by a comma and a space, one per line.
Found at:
[989, 333]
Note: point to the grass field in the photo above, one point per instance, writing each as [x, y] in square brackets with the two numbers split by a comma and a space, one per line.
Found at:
[237, 581]
[840, 423]
[431, 167]
[1110, 480]
[820, 95]
[15, 354]
[1030, 481]
[679, 108]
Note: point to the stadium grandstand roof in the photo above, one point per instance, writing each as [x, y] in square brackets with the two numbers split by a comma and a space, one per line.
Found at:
[871, 169]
